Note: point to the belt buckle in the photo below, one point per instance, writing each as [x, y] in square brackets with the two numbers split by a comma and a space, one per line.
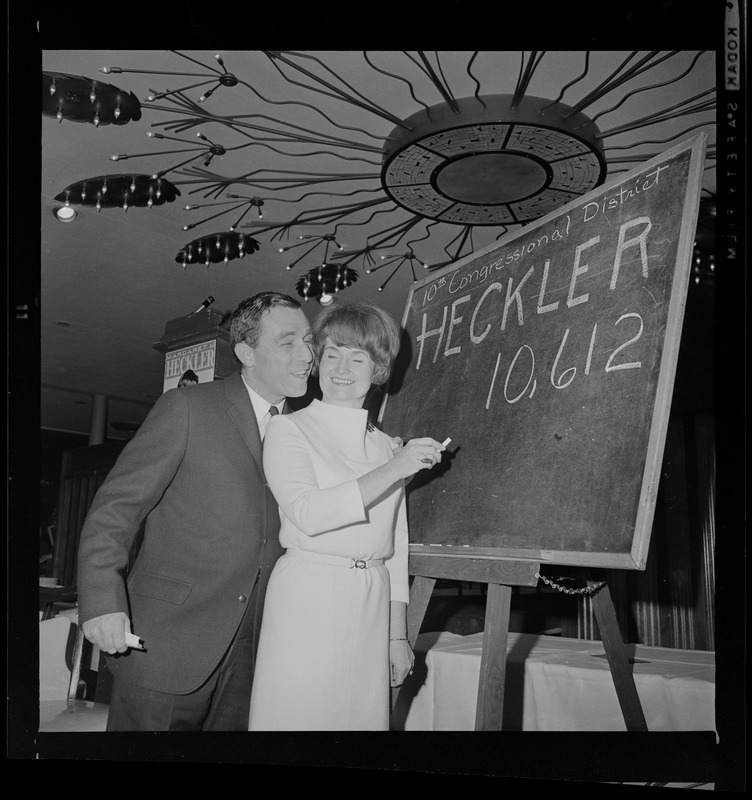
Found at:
[359, 564]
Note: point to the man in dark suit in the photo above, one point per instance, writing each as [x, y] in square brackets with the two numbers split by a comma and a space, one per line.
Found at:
[193, 475]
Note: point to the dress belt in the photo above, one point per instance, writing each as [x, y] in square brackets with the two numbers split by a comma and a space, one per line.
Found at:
[340, 561]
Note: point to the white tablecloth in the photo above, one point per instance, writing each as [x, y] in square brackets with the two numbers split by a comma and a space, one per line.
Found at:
[555, 684]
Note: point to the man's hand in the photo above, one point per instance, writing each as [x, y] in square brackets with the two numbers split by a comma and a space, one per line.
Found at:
[108, 631]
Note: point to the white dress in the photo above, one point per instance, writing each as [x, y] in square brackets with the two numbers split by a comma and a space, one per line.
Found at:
[323, 658]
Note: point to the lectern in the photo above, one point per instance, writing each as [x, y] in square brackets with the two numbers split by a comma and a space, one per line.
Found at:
[196, 347]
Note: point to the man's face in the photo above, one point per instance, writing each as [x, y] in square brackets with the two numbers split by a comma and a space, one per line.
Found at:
[282, 359]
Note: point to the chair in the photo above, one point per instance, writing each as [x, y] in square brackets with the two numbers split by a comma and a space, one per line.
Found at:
[64, 703]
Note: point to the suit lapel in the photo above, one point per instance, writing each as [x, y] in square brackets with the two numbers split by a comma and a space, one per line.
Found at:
[241, 412]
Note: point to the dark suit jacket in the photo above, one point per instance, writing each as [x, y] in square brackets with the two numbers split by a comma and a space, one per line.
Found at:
[193, 471]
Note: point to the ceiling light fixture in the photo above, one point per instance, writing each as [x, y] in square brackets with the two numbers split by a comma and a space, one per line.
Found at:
[399, 260]
[487, 161]
[325, 281]
[79, 99]
[216, 77]
[216, 247]
[248, 202]
[65, 213]
[315, 240]
[120, 191]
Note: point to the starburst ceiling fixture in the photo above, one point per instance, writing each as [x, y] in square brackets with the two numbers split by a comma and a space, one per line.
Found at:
[492, 155]
[314, 241]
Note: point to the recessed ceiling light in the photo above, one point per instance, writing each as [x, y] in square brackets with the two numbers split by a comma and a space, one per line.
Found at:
[65, 213]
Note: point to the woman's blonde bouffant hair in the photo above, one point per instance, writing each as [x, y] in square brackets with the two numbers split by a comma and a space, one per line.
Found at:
[359, 325]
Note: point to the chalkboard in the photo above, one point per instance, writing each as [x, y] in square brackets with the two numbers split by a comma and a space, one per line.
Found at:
[549, 359]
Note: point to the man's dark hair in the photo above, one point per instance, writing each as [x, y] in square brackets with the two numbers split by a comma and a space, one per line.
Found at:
[245, 324]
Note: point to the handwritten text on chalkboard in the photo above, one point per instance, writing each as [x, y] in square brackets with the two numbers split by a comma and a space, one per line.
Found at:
[541, 357]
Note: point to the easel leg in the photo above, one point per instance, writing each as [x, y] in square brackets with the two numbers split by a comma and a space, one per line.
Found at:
[493, 663]
[618, 660]
[420, 595]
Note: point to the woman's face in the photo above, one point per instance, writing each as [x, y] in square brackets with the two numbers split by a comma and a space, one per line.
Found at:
[345, 375]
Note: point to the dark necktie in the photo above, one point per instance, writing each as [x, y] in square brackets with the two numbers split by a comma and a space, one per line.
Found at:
[273, 411]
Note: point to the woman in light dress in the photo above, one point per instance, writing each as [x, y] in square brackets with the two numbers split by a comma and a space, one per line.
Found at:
[333, 637]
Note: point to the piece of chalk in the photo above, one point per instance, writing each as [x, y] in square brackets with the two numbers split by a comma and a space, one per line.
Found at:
[446, 442]
[133, 641]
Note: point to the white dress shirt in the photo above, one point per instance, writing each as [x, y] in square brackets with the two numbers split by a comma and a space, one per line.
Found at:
[261, 409]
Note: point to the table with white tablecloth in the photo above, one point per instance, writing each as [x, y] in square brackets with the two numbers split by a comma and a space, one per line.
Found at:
[555, 684]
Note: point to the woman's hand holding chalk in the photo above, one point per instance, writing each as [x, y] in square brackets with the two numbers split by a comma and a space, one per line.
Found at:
[428, 460]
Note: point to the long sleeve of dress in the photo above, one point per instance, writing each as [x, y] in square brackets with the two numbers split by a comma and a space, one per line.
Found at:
[290, 472]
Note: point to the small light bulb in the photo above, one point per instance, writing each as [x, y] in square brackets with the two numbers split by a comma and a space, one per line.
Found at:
[96, 120]
[52, 87]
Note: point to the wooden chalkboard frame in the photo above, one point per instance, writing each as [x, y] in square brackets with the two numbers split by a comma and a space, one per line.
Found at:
[637, 556]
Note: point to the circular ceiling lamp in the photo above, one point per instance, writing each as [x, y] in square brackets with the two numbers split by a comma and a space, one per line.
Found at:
[491, 160]
[79, 99]
[64, 213]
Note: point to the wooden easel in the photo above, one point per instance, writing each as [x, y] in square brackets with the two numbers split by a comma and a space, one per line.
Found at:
[501, 576]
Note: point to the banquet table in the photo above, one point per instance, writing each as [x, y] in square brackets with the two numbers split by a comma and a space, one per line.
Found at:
[555, 684]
